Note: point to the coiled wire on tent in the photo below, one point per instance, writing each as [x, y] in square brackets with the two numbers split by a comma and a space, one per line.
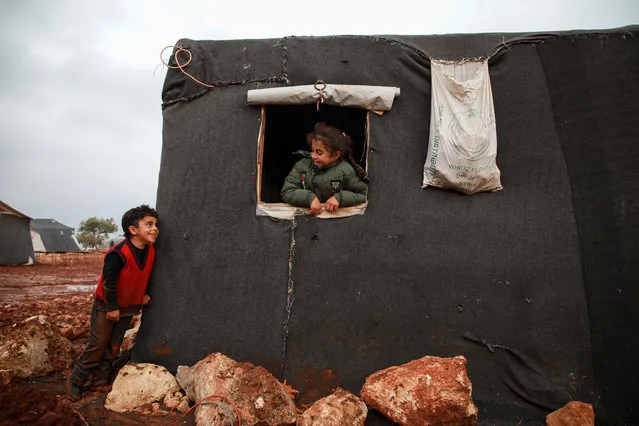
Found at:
[180, 66]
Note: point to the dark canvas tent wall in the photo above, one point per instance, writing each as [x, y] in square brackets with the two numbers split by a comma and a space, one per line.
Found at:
[15, 239]
[51, 236]
[535, 285]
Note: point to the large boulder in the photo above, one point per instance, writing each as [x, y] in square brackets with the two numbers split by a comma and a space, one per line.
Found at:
[426, 391]
[339, 408]
[35, 347]
[258, 395]
[575, 413]
[139, 384]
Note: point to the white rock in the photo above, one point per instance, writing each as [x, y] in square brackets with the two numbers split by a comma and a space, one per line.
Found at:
[139, 384]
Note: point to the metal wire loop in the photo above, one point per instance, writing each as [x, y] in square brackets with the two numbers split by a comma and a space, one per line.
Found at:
[321, 92]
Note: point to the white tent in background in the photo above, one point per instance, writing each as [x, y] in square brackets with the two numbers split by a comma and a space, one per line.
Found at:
[50, 236]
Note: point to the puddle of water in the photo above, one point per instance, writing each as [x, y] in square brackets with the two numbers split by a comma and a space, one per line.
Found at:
[14, 295]
[80, 287]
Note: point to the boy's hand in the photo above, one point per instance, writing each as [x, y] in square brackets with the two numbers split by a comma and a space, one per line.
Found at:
[332, 204]
[146, 299]
[113, 315]
[316, 207]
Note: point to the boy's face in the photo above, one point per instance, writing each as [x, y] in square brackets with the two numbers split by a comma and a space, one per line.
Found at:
[321, 156]
[146, 230]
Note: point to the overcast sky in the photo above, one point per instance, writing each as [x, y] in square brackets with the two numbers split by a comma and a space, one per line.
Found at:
[80, 88]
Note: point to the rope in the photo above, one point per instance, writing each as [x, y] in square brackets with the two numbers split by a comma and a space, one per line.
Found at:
[497, 50]
[504, 46]
[181, 66]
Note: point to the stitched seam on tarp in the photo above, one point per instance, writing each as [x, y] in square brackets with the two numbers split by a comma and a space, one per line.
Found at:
[285, 60]
[220, 84]
[290, 297]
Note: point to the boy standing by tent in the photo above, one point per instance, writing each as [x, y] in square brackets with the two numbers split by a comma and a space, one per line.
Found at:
[120, 294]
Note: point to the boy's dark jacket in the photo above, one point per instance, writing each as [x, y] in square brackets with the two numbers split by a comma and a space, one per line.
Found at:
[306, 181]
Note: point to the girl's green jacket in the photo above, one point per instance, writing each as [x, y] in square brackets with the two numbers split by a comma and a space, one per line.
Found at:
[306, 181]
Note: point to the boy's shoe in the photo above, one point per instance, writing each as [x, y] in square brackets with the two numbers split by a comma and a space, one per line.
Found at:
[74, 392]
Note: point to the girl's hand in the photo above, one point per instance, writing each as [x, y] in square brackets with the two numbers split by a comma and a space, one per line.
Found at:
[146, 299]
[316, 207]
[332, 204]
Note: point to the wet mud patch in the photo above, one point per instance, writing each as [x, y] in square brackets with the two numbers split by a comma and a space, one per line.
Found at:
[44, 402]
[61, 288]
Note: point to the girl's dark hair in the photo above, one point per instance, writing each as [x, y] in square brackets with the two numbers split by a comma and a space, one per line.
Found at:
[133, 216]
[336, 140]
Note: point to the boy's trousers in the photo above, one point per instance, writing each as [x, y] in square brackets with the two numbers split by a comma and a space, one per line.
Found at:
[103, 348]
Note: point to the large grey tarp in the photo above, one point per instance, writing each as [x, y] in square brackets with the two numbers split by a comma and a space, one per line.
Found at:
[15, 239]
[534, 285]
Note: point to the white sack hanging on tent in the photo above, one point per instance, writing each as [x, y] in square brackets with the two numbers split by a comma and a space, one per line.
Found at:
[462, 148]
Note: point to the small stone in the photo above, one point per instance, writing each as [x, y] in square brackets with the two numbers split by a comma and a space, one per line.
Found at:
[339, 408]
[171, 400]
[5, 377]
[146, 409]
[575, 413]
[183, 407]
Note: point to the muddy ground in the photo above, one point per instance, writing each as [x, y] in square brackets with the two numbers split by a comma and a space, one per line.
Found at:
[60, 287]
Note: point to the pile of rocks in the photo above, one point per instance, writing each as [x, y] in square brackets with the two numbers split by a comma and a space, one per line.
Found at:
[429, 390]
[425, 391]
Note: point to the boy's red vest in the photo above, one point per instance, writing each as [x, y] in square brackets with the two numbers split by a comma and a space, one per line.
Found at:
[133, 279]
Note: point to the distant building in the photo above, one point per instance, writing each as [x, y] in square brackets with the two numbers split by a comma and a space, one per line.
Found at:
[50, 236]
[15, 241]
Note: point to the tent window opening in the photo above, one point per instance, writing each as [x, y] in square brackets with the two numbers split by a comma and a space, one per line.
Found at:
[289, 114]
[283, 138]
